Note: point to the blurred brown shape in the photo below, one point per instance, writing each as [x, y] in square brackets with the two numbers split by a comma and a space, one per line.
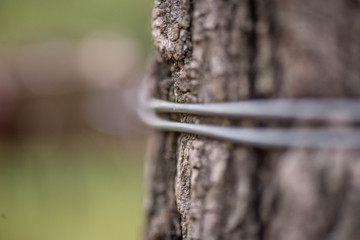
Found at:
[62, 87]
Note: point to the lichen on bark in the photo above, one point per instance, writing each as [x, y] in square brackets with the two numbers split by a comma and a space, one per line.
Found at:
[171, 29]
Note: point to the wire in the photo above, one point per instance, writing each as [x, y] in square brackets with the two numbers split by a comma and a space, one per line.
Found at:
[338, 110]
[323, 138]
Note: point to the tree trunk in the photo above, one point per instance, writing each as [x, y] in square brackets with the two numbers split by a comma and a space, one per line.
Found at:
[228, 50]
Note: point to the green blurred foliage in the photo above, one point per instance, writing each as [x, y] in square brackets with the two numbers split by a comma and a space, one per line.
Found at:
[32, 20]
[81, 188]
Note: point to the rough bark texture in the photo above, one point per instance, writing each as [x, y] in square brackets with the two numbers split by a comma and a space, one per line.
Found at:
[227, 50]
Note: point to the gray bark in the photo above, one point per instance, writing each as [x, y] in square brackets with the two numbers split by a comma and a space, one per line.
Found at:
[227, 50]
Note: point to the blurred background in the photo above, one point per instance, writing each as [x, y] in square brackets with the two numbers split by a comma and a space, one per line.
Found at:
[71, 146]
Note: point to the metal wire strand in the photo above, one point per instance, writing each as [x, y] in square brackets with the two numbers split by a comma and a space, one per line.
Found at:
[337, 110]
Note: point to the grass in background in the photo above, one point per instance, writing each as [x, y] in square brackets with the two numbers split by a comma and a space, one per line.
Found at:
[76, 190]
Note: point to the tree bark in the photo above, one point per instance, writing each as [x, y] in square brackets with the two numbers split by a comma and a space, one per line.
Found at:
[228, 50]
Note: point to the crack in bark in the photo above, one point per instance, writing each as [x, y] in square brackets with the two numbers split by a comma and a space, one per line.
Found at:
[338, 204]
[257, 185]
[253, 46]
